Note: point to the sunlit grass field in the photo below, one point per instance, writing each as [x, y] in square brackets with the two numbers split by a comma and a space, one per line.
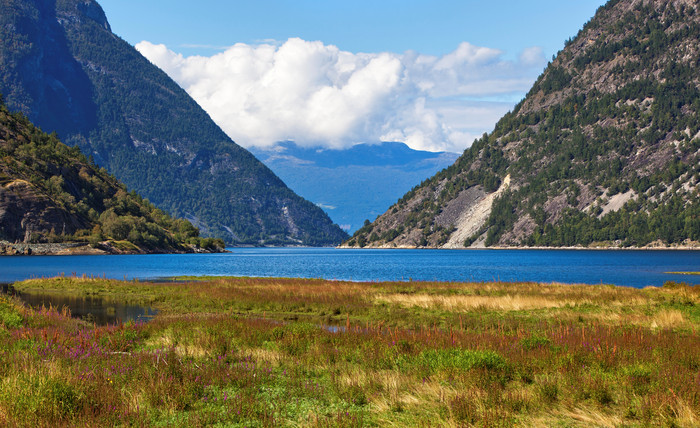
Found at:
[295, 352]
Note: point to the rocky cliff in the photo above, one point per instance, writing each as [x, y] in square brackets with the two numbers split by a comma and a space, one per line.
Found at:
[603, 152]
[25, 210]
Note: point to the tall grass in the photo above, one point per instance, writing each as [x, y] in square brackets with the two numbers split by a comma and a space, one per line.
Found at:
[286, 352]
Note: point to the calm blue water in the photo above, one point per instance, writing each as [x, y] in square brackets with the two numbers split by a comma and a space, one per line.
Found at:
[628, 268]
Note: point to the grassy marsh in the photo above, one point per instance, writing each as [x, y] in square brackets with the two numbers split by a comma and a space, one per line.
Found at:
[296, 352]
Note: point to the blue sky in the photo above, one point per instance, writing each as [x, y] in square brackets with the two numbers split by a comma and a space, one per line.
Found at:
[436, 75]
[432, 27]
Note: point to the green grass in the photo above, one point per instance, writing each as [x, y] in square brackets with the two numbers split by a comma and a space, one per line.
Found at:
[197, 277]
[258, 352]
[10, 316]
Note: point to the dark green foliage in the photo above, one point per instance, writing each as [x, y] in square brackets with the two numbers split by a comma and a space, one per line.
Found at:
[502, 218]
[132, 119]
[536, 342]
[557, 79]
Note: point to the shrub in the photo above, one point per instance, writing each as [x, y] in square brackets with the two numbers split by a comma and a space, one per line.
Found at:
[640, 377]
[461, 359]
[41, 397]
[548, 389]
[9, 316]
[536, 341]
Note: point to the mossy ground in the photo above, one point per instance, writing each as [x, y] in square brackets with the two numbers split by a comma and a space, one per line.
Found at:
[294, 352]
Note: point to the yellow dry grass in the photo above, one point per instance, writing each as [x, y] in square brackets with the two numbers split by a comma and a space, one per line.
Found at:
[136, 398]
[582, 416]
[509, 302]
[285, 286]
[353, 377]
[592, 418]
[398, 388]
[572, 417]
[669, 318]
[271, 356]
[190, 350]
[181, 349]
[685, 416]
[529, 296]
[664, 319]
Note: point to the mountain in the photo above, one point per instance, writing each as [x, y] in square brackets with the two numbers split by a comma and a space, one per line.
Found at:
[353, 184]
[51, 193]
[603, 151]
[62, 66]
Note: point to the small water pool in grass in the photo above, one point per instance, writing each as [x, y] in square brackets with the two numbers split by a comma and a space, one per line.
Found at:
[92, 309]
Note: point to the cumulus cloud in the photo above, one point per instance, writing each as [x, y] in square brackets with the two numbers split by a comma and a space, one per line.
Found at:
[318, 95]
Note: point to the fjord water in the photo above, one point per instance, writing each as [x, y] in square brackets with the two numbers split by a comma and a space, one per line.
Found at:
[625, 267]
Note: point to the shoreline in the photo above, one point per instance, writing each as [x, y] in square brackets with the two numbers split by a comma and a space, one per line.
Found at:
[104, 248]
[406, 247]
[693, 246]
[85, 249]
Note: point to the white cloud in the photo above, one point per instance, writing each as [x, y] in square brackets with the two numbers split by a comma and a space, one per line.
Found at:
[318, 95]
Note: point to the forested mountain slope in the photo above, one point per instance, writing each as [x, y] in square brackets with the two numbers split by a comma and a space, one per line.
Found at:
[51, 193]
[603, 151]
[62, 66]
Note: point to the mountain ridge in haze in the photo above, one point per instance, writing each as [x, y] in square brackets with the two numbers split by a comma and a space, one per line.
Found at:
[352, 184]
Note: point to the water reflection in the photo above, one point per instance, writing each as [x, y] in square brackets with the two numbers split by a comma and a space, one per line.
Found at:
[92, 309]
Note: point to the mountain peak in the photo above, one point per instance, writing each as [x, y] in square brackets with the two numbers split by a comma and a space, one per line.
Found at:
[603, 151]
[80, 8]
[65, 70]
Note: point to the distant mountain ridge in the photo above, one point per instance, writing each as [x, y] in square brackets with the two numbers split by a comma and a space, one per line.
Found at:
[356, 183]
[381, 154]
[62, 66]
[604, 151]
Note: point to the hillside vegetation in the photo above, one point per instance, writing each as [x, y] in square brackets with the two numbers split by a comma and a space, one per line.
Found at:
[51, 193]
[603, 151]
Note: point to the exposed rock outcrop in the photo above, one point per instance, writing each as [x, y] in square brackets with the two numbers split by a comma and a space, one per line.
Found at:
[24, 210]
[473, 218]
